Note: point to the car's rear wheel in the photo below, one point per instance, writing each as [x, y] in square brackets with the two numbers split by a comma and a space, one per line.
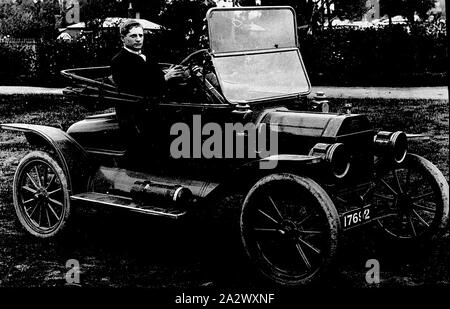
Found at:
[40, 194]
[413, 197]
[289, 229]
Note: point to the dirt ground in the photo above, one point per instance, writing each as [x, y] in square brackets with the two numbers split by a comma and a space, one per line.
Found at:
[117, 249]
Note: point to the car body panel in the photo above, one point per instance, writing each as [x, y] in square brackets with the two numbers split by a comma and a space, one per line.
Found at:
[72, 156]
[117, 180]
[98, 132]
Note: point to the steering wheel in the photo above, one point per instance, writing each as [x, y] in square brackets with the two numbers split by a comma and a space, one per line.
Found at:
[195, 58]
[192, 55]
[192, 68]
[202, 60]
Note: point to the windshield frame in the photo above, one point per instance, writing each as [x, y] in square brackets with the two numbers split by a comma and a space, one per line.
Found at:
[248, 8]
[215, 54]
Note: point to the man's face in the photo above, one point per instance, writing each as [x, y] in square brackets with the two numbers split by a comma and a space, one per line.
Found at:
[134, 39]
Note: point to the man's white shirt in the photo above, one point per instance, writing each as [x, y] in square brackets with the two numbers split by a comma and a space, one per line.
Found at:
[139, 53]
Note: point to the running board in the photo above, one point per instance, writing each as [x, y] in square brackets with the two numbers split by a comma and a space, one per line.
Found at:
[127, 203]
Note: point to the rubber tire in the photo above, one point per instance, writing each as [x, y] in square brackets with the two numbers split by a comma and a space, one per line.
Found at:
[327, 209]
[53, 164]
[439, 183]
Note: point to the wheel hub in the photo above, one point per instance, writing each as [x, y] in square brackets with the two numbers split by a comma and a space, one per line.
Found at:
[404, 203]
[288, 229]
[41, 194]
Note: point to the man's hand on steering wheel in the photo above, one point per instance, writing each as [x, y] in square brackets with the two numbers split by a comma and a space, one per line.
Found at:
[189, 67]
[177, 71]
[196, 70]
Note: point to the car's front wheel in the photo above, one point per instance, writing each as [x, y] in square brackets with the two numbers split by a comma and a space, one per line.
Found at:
[414, 198]
[289, 229]
[40, 194]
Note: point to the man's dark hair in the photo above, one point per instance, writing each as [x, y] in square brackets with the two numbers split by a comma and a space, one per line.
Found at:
[129, 24]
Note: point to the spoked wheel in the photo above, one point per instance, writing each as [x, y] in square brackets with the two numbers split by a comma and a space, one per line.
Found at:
[289, 228]
[413, 198]
[40, 194]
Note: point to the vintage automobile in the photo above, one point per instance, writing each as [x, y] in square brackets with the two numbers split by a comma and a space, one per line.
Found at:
[329, 173]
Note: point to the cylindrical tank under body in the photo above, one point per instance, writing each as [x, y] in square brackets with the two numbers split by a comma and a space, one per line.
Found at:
[111, 180]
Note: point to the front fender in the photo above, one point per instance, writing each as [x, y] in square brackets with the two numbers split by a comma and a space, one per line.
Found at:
[72, 157]
[292, 163]
[241, 178]
[281, 161]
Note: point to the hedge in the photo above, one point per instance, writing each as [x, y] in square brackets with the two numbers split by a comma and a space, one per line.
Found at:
[393, 56]
[18, 63]
[390, 56]
[54, 56]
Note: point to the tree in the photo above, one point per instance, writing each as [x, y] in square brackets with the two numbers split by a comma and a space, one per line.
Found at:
[313, 14]
[28, 18]
[419, 7]
[350, 9]
[185, 21]
[407, 8]
[149, 9]
[303, 8]
[93, 10]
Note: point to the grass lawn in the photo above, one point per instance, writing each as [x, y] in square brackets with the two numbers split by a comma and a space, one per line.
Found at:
[429, 117]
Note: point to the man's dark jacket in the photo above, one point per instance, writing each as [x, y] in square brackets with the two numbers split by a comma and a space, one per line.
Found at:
[132, 74]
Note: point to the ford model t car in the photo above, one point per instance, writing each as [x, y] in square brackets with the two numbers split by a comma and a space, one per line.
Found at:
[241, 122]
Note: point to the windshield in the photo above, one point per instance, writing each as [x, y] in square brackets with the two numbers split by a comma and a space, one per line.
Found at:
[241, 29]
[255, 53]
[261, 76]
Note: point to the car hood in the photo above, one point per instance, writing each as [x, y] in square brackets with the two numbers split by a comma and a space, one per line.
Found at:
[316, 124]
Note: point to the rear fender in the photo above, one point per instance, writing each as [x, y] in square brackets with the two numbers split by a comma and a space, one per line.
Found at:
[72, 157]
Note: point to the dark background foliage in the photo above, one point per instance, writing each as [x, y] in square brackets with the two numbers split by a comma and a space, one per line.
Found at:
[396, 55]
[406, 8]
[391, 56]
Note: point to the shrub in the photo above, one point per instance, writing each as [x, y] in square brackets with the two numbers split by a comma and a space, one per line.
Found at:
[17, 63]
[396, 56]
[28, 19]
[414, 55]
[54, 56]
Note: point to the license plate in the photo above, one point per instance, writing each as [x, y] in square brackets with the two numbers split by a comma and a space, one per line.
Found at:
[357, 217]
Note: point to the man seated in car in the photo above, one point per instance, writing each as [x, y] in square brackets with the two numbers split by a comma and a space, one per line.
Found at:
[138, 74]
